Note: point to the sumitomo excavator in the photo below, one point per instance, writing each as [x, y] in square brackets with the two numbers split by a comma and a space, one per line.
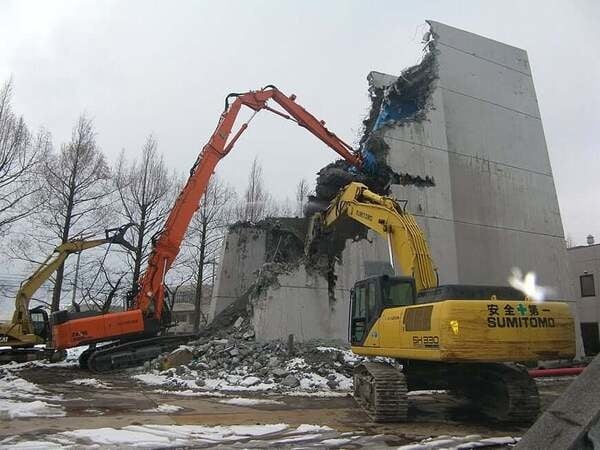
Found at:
[134, 334]
[463, 338]
[30, 327]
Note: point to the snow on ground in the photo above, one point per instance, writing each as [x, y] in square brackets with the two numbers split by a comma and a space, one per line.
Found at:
[426, 392]
[349, 357]
[12, 386]
[20, 398]
[189, 393]
[169, 436]
[311, 381]
[10, 409]
[460, 442]
[164, 408]
[241, 401]
[321, 394]
[93, 382]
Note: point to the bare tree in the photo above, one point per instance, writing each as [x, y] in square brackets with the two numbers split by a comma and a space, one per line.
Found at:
[20, 157]
[281, 208]
[302, 191]
[74, 191]
[256, 203]
[146, 190]
[205, 235]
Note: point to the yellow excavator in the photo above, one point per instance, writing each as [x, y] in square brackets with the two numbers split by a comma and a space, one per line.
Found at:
[30, 327]
[463, 338]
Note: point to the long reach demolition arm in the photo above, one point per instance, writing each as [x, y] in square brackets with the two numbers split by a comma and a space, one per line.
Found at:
[144, 319]
[150, 298]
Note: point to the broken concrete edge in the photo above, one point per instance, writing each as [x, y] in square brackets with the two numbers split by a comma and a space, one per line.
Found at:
[571, 422]
[395, 101]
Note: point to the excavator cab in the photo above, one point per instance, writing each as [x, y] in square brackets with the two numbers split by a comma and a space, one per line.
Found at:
[39, 322]
[371, 296]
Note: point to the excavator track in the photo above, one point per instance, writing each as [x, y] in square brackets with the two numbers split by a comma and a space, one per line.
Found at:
[122, 355]
[380, 389]
[31, 354]
[503, 392]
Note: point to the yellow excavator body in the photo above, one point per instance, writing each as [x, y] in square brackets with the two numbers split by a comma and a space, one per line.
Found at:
[466, 339]
[473, 331]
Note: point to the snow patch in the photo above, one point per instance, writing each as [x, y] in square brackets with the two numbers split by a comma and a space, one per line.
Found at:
[189, 393]
[459, 442]
[10, 409]
[164, 408]
[90, 382]
[152, 379]
[241, 401]
[425, 392]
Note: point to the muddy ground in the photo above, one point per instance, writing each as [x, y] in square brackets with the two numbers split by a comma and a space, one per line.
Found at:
[123, 404]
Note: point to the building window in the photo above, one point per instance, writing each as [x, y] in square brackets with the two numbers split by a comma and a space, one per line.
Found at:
[590, 337]
[587, 285]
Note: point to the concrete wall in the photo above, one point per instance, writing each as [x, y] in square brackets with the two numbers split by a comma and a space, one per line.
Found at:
[242, 255]
[494, 203]
[494, 206]
[300, 303]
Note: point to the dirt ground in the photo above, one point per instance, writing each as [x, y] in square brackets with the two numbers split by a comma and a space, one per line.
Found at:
[123, 404]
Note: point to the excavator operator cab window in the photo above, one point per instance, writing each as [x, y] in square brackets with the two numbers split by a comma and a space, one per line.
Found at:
[397, 291]
[39, 322]
[369, 297]
[363, 308]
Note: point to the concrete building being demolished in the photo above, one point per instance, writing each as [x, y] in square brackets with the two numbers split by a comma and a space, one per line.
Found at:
[462, 136]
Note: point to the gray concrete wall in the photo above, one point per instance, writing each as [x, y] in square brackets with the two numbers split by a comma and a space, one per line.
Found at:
[242, 255]
[300, 304]
[494, 204]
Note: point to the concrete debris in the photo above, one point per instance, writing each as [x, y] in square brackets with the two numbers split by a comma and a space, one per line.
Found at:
[572, 421]
[290, 381]
[176, 358]
[238, 323]
[236, 364]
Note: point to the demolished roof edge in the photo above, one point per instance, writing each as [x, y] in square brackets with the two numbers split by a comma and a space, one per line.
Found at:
[433, 24]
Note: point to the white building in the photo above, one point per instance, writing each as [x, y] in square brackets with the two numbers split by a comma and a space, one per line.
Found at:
[585, 271]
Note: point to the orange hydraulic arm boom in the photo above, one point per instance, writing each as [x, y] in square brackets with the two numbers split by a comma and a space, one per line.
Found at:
[150, 296]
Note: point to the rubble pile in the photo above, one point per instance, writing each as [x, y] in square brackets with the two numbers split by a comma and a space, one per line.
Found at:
[231, 360]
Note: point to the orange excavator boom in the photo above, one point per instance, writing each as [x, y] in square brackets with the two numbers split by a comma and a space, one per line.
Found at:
[151, 287]
[144, 318]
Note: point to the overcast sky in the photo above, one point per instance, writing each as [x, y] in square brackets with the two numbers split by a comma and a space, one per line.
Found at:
[140, 67]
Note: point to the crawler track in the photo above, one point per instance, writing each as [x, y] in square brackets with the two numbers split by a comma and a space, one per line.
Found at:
[122, 355]
[31, 354]
[380, 390]
[504, 392]
[501, 392]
